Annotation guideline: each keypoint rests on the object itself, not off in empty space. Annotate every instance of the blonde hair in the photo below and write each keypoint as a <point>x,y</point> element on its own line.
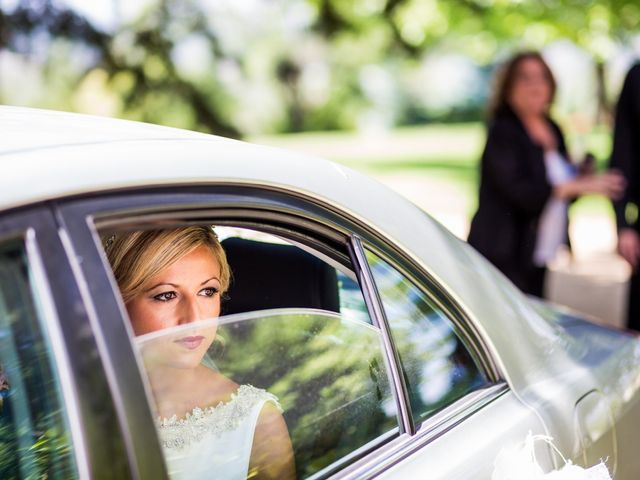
<point>136,257</point>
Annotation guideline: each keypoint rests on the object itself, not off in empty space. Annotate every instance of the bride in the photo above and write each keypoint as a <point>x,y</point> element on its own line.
<point>209,426</point>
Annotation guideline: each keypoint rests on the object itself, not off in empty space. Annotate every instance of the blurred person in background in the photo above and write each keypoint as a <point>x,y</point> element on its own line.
<point>626,158</point>
<point>527,179</point>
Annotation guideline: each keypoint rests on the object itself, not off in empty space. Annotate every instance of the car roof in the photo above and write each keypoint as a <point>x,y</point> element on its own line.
<point>49,155</point>
<point>30,129</point>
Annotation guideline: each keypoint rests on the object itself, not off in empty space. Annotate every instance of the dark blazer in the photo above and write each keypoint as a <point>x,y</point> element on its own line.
<point>513,192</point>
<point>625,155</point>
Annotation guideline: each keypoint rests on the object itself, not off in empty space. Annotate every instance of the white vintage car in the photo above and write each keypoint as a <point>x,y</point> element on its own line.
<point>394,349</point>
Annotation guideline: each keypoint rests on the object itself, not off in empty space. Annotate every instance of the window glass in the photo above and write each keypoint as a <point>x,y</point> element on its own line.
<point>34,436</point>
<point>352,303</point>
<point>323,373</point>
<point>437,367</point>
<point>281,375</point>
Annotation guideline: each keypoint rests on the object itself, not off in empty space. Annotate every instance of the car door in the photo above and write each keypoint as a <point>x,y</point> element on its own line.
<point>464,413</point>
<point>57,416</point>
<point>450,424</point>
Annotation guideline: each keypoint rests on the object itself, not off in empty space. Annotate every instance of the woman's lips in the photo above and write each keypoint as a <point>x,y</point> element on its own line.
<point>191,343</point>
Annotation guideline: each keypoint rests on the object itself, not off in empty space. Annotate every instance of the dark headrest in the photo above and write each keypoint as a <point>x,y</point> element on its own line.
<point>267,275</point>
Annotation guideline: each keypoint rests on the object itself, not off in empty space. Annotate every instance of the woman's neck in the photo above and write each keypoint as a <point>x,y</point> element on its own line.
<point>169,385</point>
<point>531,117</point>
<point>177,391</point>
<point>539,130</point>
<point>164,378</point>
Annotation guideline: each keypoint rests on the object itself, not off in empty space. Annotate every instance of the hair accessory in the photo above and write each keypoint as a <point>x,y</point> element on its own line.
<point>109,241</point>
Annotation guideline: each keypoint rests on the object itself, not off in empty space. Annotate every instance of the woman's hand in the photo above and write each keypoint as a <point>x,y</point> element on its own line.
<point>629,246</point>
<point>610,184</point>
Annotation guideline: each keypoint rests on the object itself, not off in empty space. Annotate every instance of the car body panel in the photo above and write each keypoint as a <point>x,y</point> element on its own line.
<point>503,423</point>
<point>610,358</point>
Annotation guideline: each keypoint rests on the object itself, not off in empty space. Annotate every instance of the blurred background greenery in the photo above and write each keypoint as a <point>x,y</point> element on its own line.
<point>384,86</point>
<point>395,88</point>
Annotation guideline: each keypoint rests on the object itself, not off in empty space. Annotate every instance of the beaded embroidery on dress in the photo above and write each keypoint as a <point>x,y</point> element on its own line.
<point>216,440</point>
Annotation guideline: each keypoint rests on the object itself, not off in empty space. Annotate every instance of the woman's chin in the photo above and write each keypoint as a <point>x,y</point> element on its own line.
<point>182,360</point>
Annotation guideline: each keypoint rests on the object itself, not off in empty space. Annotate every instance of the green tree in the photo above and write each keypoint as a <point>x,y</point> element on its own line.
<point>307,69</point>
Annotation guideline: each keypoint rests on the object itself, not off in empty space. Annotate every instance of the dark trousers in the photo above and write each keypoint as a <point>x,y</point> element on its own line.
<point>536,281</point>
<point>530,279</point>
<point>633,312</point>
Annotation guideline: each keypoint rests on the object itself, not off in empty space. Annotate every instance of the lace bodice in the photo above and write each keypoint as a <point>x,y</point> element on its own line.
<point>214,440</point>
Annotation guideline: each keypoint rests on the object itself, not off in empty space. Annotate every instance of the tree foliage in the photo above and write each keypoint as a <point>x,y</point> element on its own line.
<point>136,59</point>
<point>270,75</point>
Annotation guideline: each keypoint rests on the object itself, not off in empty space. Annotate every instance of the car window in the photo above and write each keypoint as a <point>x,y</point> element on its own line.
<point>262,264</point>
<point>437,366</point>
<point>293,344</point>
<point>323,372</point>
<point>34,436</point>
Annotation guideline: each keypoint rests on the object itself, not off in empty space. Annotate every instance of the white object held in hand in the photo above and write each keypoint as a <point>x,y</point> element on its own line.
<point>519,463</point>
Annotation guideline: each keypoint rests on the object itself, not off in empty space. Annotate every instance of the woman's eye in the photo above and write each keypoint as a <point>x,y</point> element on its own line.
<point>209,291</point>
<point>165,296</point>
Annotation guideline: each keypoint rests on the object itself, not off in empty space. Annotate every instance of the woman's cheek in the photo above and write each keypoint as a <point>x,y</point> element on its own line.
<point>211,307</point>
<point>150,317</point>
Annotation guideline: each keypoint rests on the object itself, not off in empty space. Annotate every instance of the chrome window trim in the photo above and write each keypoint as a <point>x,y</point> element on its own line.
<point>357,225</point>
<point>442,300</point>
<point>330,471</point>
<point>431,429</point>
<point>288,227</point>
<point>285,222</point>
<point>392,358</point>
<point>263,207</point>
<point>60,354</point>
<point>100,341</point>
<point>343,221</point>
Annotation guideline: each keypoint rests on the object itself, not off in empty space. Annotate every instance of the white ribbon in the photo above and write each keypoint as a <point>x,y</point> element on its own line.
<point>519,463</point>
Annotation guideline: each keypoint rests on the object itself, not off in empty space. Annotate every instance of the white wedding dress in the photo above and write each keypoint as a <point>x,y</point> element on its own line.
<point>214,442</point>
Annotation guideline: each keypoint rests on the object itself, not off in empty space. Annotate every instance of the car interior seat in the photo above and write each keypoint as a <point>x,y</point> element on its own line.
<point>267,275</point>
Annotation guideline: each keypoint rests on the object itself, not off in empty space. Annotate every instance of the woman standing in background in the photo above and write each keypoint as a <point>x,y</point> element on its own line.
<point>527,179</point>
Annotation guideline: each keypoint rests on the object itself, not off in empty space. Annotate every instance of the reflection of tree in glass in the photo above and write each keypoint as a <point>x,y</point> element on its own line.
<point>33,442</point>
<point>328,374</point>
<point>438,368</point>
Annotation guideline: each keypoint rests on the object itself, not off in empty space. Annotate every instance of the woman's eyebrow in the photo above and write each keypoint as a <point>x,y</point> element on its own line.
<point>209,279</point>
<point>160,284</point>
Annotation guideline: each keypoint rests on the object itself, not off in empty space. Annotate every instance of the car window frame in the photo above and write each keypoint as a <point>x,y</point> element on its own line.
<point>442,299</point>
<point>254,208</point>
<point>86,397</point>
<point>440,422</point>
<point>276,210</point>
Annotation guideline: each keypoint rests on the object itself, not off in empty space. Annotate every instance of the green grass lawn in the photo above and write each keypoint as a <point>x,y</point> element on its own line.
<point>448,153</point>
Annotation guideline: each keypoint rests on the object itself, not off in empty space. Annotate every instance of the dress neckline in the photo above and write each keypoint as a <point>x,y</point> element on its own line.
<point>198,412</point>
<point>179,432</point>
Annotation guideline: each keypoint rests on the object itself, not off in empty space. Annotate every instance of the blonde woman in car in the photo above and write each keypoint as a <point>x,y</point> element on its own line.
<point>172,281</point>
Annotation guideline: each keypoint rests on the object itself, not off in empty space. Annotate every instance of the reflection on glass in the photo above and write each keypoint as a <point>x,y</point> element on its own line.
<point>34,436</point>
<point>352,304</point>
<point>323,372</point>
<point>438,368</point>
<point>256,394</point>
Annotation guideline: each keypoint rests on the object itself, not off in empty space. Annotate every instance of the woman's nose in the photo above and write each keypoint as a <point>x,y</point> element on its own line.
<point>189,311</point>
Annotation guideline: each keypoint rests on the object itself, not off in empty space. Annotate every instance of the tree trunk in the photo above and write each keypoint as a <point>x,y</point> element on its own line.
<point>603,111</point>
